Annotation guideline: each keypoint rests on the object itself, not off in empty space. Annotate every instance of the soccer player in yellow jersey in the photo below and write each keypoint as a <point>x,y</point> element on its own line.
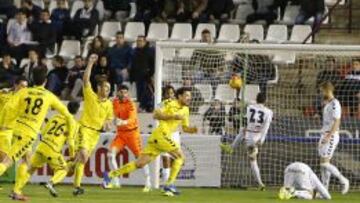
<point>96,116</point>
<point>174,113</point>
<point>54,136</point>
<point>29,107</point>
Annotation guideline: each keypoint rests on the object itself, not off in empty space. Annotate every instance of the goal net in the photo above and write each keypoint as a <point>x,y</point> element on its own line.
<point>290,76</point>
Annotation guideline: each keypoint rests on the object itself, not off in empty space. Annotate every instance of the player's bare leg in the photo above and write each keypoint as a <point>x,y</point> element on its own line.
<point>252,154</point>
<point>81,158</point>
<point>327,169</point>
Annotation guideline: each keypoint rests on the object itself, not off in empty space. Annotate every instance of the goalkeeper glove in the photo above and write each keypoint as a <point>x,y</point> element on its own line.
<point>120,122</point>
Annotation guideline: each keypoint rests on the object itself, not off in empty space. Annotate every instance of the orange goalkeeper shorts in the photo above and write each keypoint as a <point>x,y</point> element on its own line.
<point>129,139</point>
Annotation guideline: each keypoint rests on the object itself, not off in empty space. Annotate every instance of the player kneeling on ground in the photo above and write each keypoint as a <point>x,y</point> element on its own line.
<point>301,182</point>
<point>54,136</point>
<point>259,118</point>
<point>171,115</point>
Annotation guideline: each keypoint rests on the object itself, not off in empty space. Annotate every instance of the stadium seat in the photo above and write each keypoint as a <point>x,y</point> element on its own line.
<point>206,91</point>
<point>158,31</point>
<point>133,30</point>
<point>277,34</point>
<point>203,109</point>
<point>256,32</point>
<point>333,2</point>
<point>250,93</point>
<point>299,33</point>
<point>242,12</point>
<point>76,6</point>
<point>100,7</point>
<point>290,14</point>
<point>284,58</point>
<point>172,73</point>
<point>181,31</point>
<point>132,10</point>
<point>70,48</point>
<point>225,93</point>
<point>109,30</point>
<point>229,33</point>
<point>39,3</point>
<point>202,26</point>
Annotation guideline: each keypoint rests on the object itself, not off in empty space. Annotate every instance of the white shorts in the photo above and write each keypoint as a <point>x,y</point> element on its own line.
<point>298,179</point>
<point>327,150</point>
<point>251,139</point>
<point>177,139</point>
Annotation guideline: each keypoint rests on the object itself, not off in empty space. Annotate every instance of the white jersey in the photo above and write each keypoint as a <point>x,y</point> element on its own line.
<point>331,112</point>
<point>301,177</point>
<point>259,118</point>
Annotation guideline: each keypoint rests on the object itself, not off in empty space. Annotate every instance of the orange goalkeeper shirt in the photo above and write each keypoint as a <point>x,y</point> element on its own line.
<point>126,110</point>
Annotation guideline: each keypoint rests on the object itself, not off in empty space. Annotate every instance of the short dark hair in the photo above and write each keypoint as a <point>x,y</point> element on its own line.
<point>21,11</point>
<point>78,57</point>
<point>28,2</point>
<point>119,33</point>
<point>181,91</point>
<point>45,11</point>
<point>59,59</point>
<point>167,88</point>
<point>20,79</point>
<point>355,60</point>
<point>261,98</point>
<point>123,87</point>
<point>73,107</point>
<point>205,31</point>
<point>39,75</point>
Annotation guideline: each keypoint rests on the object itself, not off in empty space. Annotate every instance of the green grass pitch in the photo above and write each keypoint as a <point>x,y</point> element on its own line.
<point>94,194</point>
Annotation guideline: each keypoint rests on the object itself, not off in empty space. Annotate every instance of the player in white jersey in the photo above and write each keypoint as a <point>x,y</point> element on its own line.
<point>330,137</point>
<point>301,182</point>
<point>259,118</point>
<point>168,93</point>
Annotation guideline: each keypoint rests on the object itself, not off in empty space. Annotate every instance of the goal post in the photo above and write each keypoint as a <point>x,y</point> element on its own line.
<point>289,75</point>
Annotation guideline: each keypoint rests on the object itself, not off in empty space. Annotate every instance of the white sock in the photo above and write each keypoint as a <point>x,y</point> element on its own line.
<point>114,166</point>
<point>237,141</point>
<point>303,194</point>
<point>147,176</point>
<point>165,174</point>
<point>256,172</point>
<point>334,171</point>
<point>325,177</point>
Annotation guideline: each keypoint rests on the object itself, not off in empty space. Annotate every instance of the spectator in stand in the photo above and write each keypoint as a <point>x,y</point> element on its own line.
<point>44,32</point>
<point>146,10</point>
<point>34,62</point>
<point>219,10</point>
<point>168,9</point>
<point>119,58</point>
<point>60,17</point>
<point>32,11</point>
<point>7,8</point>
<point>118,9</point>
<point>197,99</point>
<point>311,8</point>
<point>168,92</point>
<point>351,88</point>
<point>57,76</point>
<point>85,20</point>
<point>2,37</point>
<point>216,117</point>
<point>74,80</point>
<point>19,36</point>
<point>8,71</point>
<point>235,115</point>
<point>98,46</point>
<point>264,10</point>
<point>141,72</point>
<point>193,11</point>
<point>101,71</point>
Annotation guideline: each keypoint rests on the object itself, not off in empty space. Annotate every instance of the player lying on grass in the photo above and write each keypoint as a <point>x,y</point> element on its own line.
<point>49,151</point>
<point>330,137</point>
<point>302,183</point>
<point>29,107</point>
<point>7,135</point>
<point>170,116</point>
<point>127,133</point>
<point>96,116</point>
<point>259,118</point>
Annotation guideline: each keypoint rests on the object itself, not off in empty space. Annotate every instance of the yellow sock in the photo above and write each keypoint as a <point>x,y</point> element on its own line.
<point>79,172</point>
<point>58,176</point>
<point>175,169</point>
<point>128,168</point>
<point>3,168</point>
<point>22,177</point>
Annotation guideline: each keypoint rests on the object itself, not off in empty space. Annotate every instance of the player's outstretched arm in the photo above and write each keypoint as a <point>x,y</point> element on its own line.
<point>91,62</point>
<point>160,115</point>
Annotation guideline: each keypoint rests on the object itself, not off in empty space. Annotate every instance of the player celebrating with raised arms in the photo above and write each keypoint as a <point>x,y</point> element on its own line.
<point>301,182</point>
<point>54,137</point>
<point>96,116</point>
<point>170,116</point>
<point>127,134</point>
<point>259,118</point>
<point>330,137</point>
<point>29,107</point>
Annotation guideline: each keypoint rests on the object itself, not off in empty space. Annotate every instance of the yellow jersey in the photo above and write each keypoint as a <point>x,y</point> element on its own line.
<point>4,97</point>
<point>55,134</point>
<point>95,111</point>
<point>31,106</point>
<point>173,107</point>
